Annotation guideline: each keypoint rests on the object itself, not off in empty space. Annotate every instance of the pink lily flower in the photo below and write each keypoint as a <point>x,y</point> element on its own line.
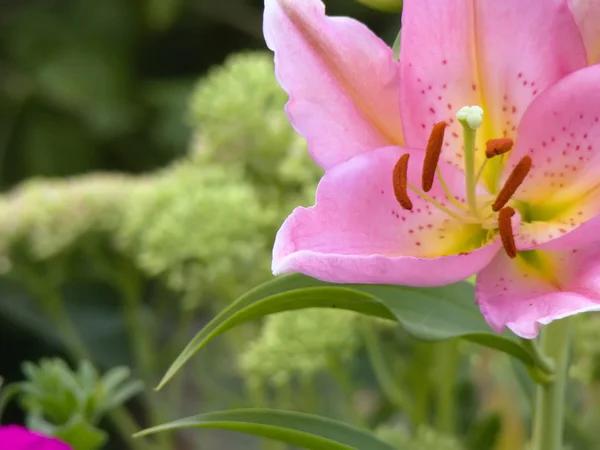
<point>416,194</point>
<point>14,437</point>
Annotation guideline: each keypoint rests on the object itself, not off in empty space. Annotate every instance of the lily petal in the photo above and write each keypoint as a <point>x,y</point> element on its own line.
<point>342,80</point>
<point>518,295</point>
<point>496,54</point>
<point>561,134</point>
<point>358,233</point>
<point>587,16</point>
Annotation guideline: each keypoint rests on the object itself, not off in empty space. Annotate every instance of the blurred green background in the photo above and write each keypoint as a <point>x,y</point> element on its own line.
<point>146,164</point>
<point>141,189</point>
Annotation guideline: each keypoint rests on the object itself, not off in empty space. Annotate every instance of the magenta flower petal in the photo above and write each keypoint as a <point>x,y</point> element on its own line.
<point>342,80</point>
<point>358,233</point>
<point>15,437</point>
<point>496,54</point>
<point>517,295</point>
<point>587,16</point>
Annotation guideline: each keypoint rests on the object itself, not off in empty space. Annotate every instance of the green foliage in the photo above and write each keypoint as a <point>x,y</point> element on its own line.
<point>46,218</point>
<point>69,404</point>
<point>282,294</point>
<point>199,226</point>
<point>237,114</point>
<point>300,343</point>
<point>586,367</point>
<point>392,6</point>
<point>205,224</point>
<point>304,430</point>
<point>425,439</point>
<point>426,313</point>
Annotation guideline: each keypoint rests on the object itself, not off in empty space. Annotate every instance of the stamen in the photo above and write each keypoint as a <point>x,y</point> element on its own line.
<point>451,198</point>
<point>399,180</point>
<point>432,155</point>
<point>495,147</point>
<point>514,180</point>
<point>438,205</point>
<point>506,231</point>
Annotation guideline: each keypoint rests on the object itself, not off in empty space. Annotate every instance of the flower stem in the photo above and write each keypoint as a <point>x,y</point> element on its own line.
<point>550,398</point>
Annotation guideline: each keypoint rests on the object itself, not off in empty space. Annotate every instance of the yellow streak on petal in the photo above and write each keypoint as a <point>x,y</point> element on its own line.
<point>539,264</point>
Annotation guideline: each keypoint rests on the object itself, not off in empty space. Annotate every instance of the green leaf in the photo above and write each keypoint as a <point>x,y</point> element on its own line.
<point>303,430</point>
<point>126,392</point>
<point>7,393</point>
<point>435,314</point>
<point>253,307</point>
<point>427,313</point>
<point>77,432</point>
<point>81,435</point>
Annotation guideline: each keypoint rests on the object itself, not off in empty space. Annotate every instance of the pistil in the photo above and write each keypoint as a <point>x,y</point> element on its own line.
<point>489,212</point>
<point>470,118</point>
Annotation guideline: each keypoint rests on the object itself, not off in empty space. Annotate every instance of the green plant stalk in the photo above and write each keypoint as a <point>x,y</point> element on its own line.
<point>184,329</point>
<point>308,398</point>
<point>447,360</point>
<point>383,374</point>
<point>421,384</point>
<point>340,374</point>
<point>128,283</point>
<point>120,417</point>
<point>548,422</point>
<point>55,308</point>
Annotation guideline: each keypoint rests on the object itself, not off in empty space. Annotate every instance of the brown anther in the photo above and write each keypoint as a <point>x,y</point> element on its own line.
<point>506,232</point>
<point>432,155</point>
<point>399,179</point>
<point>495,147</point>
<point>514,180</point>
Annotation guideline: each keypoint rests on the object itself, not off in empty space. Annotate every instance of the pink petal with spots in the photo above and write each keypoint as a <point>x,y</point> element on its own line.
<point>358,233</point>
<point>342,80</point>
<point>561,133</point>
<point>561,240</point>
<point>14,437</point>
<point>517,295</point>
<point>496,54</point>
<point>587,16</point>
